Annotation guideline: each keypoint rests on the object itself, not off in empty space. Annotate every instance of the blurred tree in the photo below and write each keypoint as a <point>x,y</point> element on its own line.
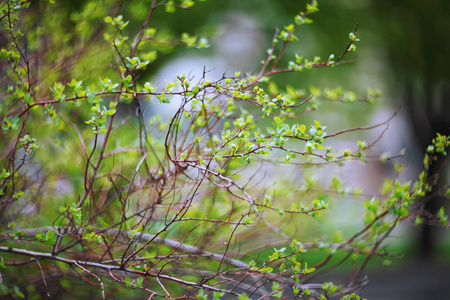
<point>416,37</point>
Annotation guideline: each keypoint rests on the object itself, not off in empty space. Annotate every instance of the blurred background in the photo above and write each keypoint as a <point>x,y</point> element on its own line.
<point>404,51</point>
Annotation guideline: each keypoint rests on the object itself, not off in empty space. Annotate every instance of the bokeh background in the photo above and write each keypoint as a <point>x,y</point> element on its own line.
<point>404,50</point>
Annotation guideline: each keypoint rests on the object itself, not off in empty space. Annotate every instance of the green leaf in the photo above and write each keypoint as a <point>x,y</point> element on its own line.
<point>139,281</point>
<point>247,220</point>
<point>108,20</point>
<point>442,217</point>
<point>243,297</point>
<point>387,186</point>
<point>201,295</point>
<point>49,234</point>
<point>419,220</point>
<point>18,292</point>
<point>218,295</point>
<point>403,213</point>
<point>398,167</point>
<point>127,281</point>
<point>313,7</point>
<point>188,40</point>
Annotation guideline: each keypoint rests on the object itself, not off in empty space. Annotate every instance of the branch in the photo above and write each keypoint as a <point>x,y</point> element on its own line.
<point>44,255</point>
<point>61,231</point>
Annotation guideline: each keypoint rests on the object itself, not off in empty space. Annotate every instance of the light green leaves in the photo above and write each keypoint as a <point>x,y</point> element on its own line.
<point>188,40</point>
<point>77,88</point>
<point>243,297</point>
<point>317,136</point>
<point>135,63</point>
<point>58,91</point>
<point>442,217</point>
<point>194,176</point>
<point>40,236</point>
<point>108,85</point>
<point>10,123</point>
<point>193,42</point>
<point>313,7</point>
<point>116,22</point>
<point>126,80</point>
<point>330,288</point>
<point>352,37</point>
<point>99,118</point>
<point>148,88</point>
<point>135,284</point>
<point>247,220</point>
<point>300,20</point>
<point>15,233</point>
<point>28,143</point>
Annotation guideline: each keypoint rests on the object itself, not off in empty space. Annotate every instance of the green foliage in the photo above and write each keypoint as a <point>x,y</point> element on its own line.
<point>168,206</point>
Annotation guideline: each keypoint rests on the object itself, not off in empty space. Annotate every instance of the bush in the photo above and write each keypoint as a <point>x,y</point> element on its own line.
<point>198,205</point>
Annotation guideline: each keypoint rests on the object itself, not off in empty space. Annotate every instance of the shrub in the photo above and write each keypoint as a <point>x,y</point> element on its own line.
<point>178,207</point>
